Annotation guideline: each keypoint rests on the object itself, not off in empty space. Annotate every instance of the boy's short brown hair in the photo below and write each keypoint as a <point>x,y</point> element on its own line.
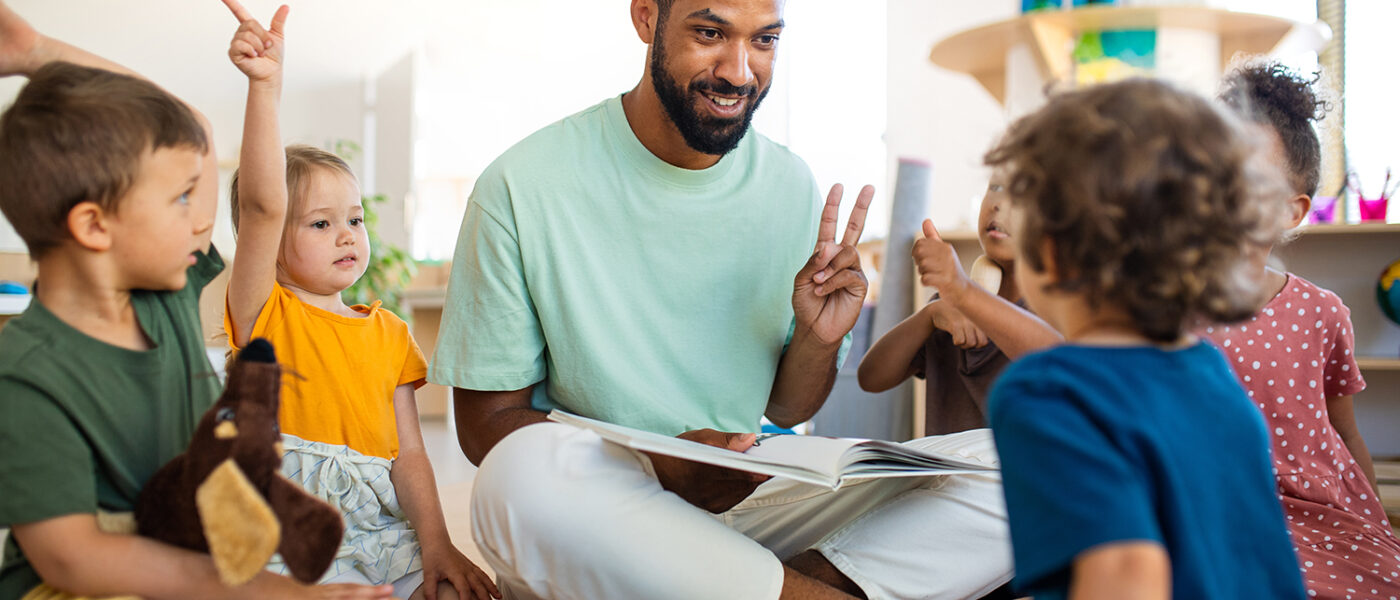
<point>77,134</point>
<point>302,161</point>
<point>1152,197</point>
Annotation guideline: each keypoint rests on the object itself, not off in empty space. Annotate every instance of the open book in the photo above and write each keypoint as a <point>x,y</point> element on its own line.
<point>812,459</point>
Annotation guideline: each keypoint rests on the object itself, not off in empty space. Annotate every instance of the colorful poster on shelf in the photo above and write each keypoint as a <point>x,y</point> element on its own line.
<point>1107,56</point>
<point>1035,5</point>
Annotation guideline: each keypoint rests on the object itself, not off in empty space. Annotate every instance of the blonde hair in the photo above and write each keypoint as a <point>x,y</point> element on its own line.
<point>302,161</point>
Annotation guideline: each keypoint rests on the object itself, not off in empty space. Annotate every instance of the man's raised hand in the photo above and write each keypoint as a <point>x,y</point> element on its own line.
<point>829,290</point>
<point>256,51</point>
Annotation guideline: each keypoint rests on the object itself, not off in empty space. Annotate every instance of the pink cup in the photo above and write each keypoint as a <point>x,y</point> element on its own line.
<point>1373,209</point>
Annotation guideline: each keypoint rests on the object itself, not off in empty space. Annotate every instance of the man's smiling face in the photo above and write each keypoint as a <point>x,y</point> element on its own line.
<point>712,65</point>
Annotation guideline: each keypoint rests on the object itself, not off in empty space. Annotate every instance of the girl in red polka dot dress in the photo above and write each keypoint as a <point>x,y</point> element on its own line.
<point>1295,360</point>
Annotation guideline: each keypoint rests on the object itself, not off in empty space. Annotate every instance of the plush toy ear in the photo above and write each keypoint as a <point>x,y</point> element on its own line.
<point>986,274</point>
<point>240,527</point>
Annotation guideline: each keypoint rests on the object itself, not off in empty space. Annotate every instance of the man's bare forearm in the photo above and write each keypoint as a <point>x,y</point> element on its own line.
<point>805,376</point>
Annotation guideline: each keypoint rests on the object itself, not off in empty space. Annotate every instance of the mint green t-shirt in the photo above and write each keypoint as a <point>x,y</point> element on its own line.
<point>641,293</point>
<point>84,424</point>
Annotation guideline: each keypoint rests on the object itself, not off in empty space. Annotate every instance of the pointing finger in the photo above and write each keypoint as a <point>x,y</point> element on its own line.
<point>856,224</point>
<point>239,12</point>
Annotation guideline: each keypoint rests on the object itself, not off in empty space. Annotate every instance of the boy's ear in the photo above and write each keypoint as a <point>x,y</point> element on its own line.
<point>90,226</point>
<point>1298,209</point>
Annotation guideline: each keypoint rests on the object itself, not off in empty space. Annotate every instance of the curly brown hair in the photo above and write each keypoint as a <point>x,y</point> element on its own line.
<point>1152,198</point>
<point>1270,94</point>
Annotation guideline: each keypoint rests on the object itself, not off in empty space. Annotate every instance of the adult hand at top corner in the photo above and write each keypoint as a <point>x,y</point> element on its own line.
<point>21,46</point>
<point>828,291</point>
<point>715,489</point>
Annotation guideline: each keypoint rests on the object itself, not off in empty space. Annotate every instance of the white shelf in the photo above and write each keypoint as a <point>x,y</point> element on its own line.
<point>981,52</point>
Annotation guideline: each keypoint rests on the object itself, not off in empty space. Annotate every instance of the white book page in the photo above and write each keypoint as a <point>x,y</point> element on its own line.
<point>817,453</point>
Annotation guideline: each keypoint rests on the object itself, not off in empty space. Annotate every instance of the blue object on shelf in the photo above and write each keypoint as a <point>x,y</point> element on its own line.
<point>13,287</point>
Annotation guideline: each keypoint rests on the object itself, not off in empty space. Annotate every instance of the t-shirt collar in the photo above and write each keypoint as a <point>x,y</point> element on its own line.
<point>649,163</point>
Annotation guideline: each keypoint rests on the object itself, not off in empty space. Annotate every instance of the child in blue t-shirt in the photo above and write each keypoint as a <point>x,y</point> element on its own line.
<point>1133,463</point>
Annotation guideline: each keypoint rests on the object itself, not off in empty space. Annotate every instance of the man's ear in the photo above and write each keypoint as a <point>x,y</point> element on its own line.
<point>1298,209</point>
<point>644,16</point>
<point>90,226</point>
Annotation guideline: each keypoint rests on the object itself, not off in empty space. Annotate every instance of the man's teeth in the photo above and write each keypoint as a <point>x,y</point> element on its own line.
<point>724,101</point>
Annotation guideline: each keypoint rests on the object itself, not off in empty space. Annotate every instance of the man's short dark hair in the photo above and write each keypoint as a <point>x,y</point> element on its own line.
<point>1270,94</point>
<point>77,134</point>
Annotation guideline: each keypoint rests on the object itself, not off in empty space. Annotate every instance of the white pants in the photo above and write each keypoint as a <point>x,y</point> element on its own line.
<point>559,513</point>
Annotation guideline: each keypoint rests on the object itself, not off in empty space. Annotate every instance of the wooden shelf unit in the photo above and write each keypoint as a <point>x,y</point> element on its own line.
<point>981,52</point>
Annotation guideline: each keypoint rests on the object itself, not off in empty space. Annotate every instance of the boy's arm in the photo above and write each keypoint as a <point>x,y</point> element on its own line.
<point>262,171</point>
<point>1342,414</point>
<point>416,488</point>
<point>71,554</point>
<point>890,359</point>
<point>1122,571</point>
<point>1016,332</point>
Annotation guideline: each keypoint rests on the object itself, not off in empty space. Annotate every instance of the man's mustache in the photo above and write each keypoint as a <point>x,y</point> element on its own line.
<point>724,89</point>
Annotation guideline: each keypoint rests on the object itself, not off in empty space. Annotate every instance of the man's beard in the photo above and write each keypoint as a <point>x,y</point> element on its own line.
<point>701,132</point>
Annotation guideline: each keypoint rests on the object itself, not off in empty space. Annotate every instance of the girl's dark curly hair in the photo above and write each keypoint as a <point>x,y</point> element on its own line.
<point>1270,94</point>
<point>1152,199</point>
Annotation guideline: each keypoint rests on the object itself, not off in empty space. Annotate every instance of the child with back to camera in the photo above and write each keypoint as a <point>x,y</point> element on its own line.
<point>1295,360</point>
<point>350,423</point>
<point>960,341</point>
<point>1133,464</point>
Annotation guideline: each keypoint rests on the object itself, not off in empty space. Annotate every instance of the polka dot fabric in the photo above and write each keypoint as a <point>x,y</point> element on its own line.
<point>1291,357</point>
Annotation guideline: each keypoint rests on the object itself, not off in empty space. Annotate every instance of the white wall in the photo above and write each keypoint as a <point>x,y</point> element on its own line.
<point>937,115</point>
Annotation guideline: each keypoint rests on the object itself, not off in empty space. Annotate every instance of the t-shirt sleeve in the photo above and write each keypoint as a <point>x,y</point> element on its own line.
<point>207,267</point>
<point>46,467</point>
<point>1069,486</point>
<point>490,338</point>
<point>1341,375</point>
<point>415,367</point>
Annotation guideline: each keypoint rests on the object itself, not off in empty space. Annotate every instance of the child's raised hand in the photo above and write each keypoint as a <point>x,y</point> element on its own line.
<point>450,565</point>
<point>258,52</point>
<point>937,263</point>
<point>18,43</point>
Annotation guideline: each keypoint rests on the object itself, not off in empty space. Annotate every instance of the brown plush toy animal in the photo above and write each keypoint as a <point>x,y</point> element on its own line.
<point>226,494</point>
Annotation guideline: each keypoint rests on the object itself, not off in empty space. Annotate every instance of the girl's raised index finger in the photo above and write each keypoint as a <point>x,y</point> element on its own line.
<point>239,12</point>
